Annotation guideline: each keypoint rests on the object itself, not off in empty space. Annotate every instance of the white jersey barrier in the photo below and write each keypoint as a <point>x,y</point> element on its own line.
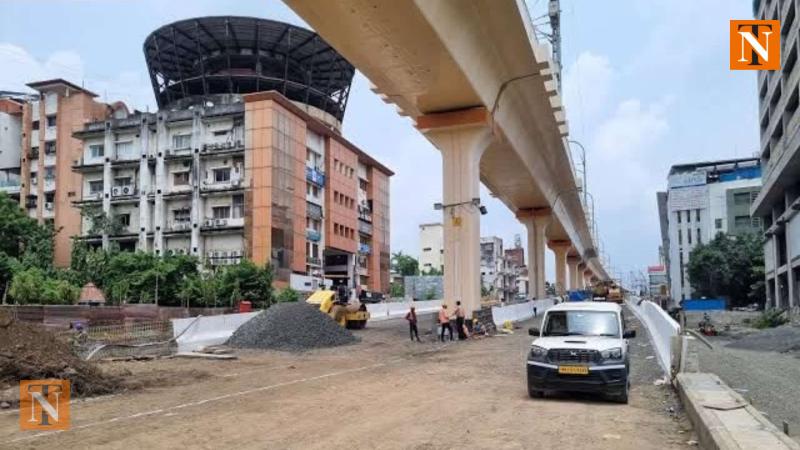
<point>660,326</point>
<point>393,310</point>
<point>520,311</point>
<point>196,332</point>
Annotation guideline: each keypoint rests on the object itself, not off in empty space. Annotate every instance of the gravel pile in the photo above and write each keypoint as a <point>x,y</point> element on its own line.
<point>293,327</point>
<point>781,339</point>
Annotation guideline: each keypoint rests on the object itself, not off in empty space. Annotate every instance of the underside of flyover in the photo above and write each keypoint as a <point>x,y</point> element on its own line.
<point>481,89</point>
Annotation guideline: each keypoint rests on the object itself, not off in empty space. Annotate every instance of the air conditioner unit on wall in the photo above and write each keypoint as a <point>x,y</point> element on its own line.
<point>127,190</point>
<point>115,191</point>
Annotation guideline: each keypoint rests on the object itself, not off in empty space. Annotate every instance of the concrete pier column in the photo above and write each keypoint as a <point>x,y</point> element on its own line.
<point>572,263</point>
<point>560,248</point>
<point>462,137</point>
<point>536,221</point>
<point>587,278</point>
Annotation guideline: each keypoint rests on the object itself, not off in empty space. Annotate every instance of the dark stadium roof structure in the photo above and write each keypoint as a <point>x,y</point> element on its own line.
<point>239,55</point>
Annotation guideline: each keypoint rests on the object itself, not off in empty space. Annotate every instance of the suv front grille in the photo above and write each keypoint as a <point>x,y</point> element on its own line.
<point>572,355</point>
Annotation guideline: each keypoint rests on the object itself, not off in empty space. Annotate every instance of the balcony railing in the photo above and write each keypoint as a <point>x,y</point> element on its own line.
<point>180,225</point>
<point>313,261</point>
<point>313,211</point>
<point>222,185</point>
<point>223,146</point>
<point>313,235</point>
<point>10,185</point>
<point>315,176</point>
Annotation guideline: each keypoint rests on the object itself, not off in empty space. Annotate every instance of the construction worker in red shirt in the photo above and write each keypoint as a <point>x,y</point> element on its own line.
<point>411,317</point>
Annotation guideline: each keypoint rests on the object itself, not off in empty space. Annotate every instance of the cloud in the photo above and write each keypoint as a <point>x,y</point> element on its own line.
<point>20,68</point>
<point>587,83</point>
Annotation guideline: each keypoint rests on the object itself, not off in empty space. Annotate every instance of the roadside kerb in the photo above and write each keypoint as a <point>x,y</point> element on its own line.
<point>723,419</point>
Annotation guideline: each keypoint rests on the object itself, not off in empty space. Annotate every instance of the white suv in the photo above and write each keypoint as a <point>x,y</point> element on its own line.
<point>582,346</point>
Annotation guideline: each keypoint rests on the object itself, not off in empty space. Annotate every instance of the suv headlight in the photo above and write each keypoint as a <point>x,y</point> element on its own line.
<point>537,353</point>
<point>612,354</point>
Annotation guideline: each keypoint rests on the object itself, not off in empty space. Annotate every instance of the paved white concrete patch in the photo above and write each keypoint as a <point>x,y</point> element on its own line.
<point>196,332</point>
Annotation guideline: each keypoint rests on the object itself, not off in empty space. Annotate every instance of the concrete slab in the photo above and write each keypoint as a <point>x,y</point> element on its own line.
<point>723,419</point>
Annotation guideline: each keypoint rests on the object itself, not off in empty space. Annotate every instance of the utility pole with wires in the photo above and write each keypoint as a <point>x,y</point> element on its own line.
<point>554,11</point>
<point>552,20</point>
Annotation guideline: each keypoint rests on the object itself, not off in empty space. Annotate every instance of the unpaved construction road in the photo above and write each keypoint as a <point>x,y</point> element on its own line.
<point>384,392</point>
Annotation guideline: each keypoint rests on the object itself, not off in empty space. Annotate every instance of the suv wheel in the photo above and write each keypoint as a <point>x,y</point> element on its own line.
<point>535,393</point>
<point>622,397</point>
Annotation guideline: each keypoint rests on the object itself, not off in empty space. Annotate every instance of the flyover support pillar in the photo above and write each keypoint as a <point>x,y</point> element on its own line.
<point>572,263</point>
<point>587,278</point>
<point>560,248</point>
<point>462,137</point>
<point>536,221</point>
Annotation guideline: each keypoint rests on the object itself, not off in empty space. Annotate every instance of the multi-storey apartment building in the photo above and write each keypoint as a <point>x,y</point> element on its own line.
<point>779,119</point>
<point>48,186</point>
<point>497,274</point>
<point>244,159</point>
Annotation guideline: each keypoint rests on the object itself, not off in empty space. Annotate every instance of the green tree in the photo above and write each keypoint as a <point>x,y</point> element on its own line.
<point>246,281</point>
<point>32,286</point>
<point>199,290</point>
<point>432,272</point>
<point>405,265</point>
<point>288,295</point>
<point>397,290</point>
<point>100,222</point>
<point>729,266</point>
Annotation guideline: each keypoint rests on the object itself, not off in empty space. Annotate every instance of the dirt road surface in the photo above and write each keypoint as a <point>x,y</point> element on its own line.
<point>384,392</point>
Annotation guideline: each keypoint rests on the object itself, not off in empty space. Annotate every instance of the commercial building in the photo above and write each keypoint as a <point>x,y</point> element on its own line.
<point>243,159</point>
<point>778,202</point>
<point>431,243</point>
<point>702,200</point>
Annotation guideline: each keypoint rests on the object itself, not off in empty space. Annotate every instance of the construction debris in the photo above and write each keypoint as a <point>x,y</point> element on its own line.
<point>30,352</point>
<point>292,327</point>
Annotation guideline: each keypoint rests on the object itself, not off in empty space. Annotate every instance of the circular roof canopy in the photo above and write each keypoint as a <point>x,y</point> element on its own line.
<point>239,55</point>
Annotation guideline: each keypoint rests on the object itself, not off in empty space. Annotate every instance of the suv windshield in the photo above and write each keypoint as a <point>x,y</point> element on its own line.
<point>581,323</point>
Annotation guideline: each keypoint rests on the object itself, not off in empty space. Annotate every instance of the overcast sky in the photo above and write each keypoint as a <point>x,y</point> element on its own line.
<point>646,85</point>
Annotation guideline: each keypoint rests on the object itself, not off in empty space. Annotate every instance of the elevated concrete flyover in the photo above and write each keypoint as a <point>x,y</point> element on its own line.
<point>481,89</point>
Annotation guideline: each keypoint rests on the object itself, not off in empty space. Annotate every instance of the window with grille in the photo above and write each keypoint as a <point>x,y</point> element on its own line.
<point>180,178</point>
<point>222,175</point>
<point>181,141</point>
<point>96,186</point>
<point>96,150</point>
<point>221,212</point>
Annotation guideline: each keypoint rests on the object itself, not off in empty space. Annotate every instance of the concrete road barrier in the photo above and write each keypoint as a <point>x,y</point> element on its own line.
<point>660,326</point>
<point>394,310</point>
<point>520,311</point>
<point>723,419</point>
<point>196,332</point>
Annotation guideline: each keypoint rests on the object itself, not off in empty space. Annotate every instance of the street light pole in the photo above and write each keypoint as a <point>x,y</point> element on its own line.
<point>583,164</point>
